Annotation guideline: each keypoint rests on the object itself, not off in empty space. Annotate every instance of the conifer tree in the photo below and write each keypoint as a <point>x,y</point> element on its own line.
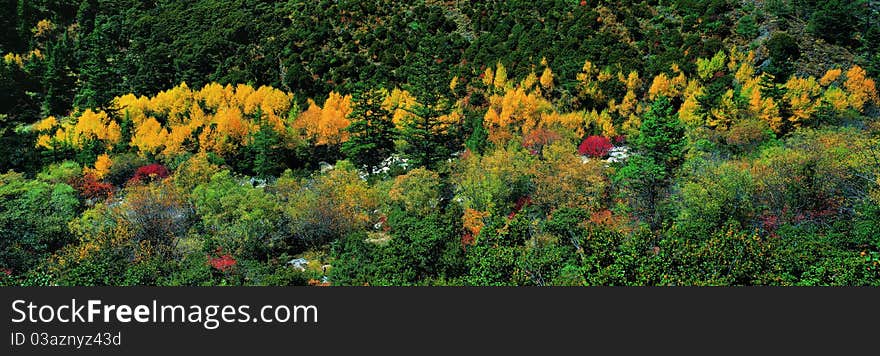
<point>660,150</point>
<point>372,131</point>
<point>426,136</point>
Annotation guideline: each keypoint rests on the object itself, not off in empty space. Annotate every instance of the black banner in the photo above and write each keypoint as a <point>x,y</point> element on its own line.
<point>296,320</point>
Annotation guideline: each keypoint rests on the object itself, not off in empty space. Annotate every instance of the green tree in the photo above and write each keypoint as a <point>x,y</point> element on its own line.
<point>770,87</point>
<point>661,136</point>
<point>241,218</point>
<point>33,220</point>
<point>784,52</point>
<point>60,78</point>
<point>372,130</point>
<point>100,79</point>
<point>660,148</point>
<point>426,136</point>
<point>837,21</point>
<point>269,152</point>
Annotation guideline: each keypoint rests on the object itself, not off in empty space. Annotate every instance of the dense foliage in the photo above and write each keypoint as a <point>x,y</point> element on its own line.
<point>220,142</point>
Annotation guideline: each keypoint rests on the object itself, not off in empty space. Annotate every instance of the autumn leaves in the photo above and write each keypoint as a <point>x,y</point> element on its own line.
<point>725,92</point>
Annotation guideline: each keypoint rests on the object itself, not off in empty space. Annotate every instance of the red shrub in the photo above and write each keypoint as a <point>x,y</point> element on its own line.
<point>150,171</point>
<point>595,146</point>
<point>89,187</point>
<point>520,203</point>
<point>770,222</point>
<point>467,239</point>
<point>223,261</point>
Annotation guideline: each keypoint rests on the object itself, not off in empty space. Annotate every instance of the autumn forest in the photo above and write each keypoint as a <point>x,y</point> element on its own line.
<point>486,143</point>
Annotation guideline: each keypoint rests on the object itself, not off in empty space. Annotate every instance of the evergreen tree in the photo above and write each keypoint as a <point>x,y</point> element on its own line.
<point>837,21</point>
<point>99,72</point>
<point>660,148</point>
<point>60,81</point>
<point>372,130</point>
<point>9,40</point>
<point>85,15</point>
<point>478,139</point>
<point>661,136</point>
<point>426,136</point>
<point>268,152</point>
<point>784,51</point>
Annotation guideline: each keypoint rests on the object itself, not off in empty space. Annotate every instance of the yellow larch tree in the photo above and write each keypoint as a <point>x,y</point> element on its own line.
<point>172,104</point>
<point>860,88</point>
<point>399,103</point>
<point>516,111</point>
<point>588,83</point>
<point>688,113</point>
<point>149,137</point>
<point>326,126</point>
<point>102,166</point>
<point>830,76</point>
<point>76,131</point>
<point>547,79</point>
<point>802,95</point>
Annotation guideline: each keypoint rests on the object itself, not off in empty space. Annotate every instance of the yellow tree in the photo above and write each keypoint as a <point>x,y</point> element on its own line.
<point>326,126</point>
<point>400,103</point>
<point>802,95</point>
<point>149,137</point>
<point>588,83</point>
<point>515,111</point>
<point>75,132</point>
<point>102,166</point>
<point>860,88</point>
<point>830,77</point>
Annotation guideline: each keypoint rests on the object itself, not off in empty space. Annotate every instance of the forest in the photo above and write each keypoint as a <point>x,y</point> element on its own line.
<point>439,143</point>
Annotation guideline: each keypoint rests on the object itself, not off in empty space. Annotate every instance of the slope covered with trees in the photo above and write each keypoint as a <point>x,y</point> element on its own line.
<point>239,142</point>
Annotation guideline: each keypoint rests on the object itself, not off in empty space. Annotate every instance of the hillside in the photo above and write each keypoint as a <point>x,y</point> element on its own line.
<point>243,142</point>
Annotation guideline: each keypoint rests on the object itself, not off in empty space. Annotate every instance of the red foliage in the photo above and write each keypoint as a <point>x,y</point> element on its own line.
<point>466,154</point>
<point>150,171</point>
<point>601,217</point>
<point>6,271</point>
<point>383,223</point>
<point>222,261</point>
<point>595,146</point>
<point>520,203</point>
<point>770,223</point>
<point>467,239</point>
<point>828,209</point>
<point>583,2</point>
<point>619,139</point>
<point>89,187</point>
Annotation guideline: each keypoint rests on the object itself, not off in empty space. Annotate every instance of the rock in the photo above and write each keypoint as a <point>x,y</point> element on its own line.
<point>618,154</point>
<point>299,263</point>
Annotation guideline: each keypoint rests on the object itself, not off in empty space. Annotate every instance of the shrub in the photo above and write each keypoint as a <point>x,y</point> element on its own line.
<point>595,146</point>
<point>150,172</point>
